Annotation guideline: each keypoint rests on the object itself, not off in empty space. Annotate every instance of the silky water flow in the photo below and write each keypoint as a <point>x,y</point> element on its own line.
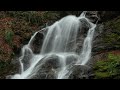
<point>56,43</point>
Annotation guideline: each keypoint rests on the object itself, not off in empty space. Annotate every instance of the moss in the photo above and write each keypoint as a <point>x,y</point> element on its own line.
<point>108,69</point>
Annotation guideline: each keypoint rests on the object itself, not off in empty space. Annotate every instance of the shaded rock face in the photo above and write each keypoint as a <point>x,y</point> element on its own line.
<point>26,58</point>
<point>98,39</point>
<point>81,72</point>
<point>105,35</point>
<point>93,16</point>
<point>37,43</point>
<point>71,60</point>
<point>108,15</point>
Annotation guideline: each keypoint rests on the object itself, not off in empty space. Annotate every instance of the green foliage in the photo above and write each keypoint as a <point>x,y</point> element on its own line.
<point>9,36</point>
<point>109,69</point>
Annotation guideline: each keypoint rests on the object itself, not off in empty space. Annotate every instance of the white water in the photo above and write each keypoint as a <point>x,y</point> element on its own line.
<point>56,42</point>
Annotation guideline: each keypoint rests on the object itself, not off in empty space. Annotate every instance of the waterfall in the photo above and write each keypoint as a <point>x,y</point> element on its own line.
<point>58,48</point>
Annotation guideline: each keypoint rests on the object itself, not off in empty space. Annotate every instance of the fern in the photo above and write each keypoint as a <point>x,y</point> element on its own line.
<point>9,36</point>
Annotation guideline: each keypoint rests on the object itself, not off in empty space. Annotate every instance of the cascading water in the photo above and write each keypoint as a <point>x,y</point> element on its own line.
<point>60,42</point>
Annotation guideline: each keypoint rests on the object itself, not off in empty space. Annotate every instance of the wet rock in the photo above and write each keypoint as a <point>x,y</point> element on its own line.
<point>98,43</point>
<point>47,68</point>
<point>71,59</point>
<point>44,75</point>
<point>26,58</point>
<point>93,16</point>
<point>50,62</point>
<point>37,43</point>
<point>81,72</point>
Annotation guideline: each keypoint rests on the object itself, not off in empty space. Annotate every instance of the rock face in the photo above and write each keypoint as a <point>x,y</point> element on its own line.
<point>48,67</point>
<point>93,16</point>
<point>26,58</point>
<point>106,37</point>
<point>108,15</point>
<point>81,72</point>
<point>37,43</point>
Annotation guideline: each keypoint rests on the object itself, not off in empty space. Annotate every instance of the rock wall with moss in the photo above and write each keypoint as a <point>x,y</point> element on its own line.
<point>107,48</point>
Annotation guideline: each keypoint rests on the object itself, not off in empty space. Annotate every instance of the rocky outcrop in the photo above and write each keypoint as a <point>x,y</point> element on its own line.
<point>47,68</point>
<point>107,15</point>
<point>105,35</point>
<point>37,42</point>
<point>81,72</point>
<point>106,41</point>
<point>93,16</point>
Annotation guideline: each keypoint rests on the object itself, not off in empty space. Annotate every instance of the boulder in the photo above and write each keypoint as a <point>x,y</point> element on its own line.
<point>81,72</point>
<point>93,16</point>
<point>71,59</point>
<point>27,55</point>
<point>47,68</point>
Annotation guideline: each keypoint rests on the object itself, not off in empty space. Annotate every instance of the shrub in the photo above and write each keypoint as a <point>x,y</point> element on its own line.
<point>9,36</point>
<point>109,69</point>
